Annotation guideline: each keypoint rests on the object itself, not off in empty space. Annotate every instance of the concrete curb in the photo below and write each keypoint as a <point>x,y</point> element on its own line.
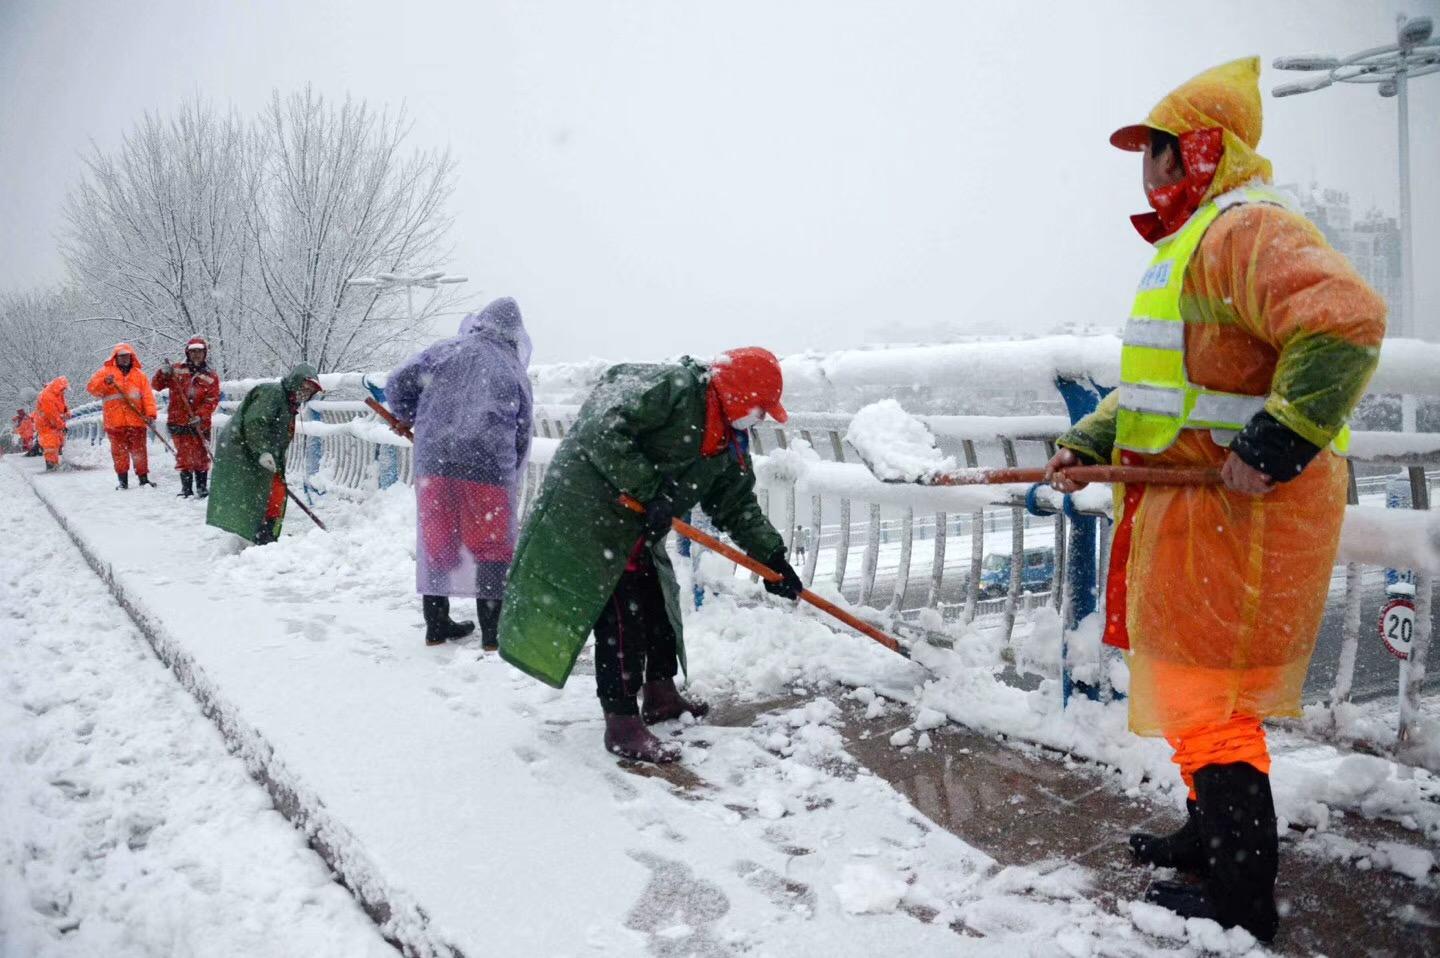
<point>401,921</point>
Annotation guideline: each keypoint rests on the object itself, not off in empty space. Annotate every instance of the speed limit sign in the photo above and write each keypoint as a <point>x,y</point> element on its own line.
<point>1397,627</point>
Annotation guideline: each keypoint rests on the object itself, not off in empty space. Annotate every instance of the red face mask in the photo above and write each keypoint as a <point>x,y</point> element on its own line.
<point>1200,153</point>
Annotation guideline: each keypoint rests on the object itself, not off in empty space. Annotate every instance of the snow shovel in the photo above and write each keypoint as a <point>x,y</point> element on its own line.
<point>391,420</point>
<point>110,381</point>
<point>770,575</point>
<point>898,448</point>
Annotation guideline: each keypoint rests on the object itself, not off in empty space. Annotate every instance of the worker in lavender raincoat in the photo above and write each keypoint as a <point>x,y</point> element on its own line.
<point>468,400</point>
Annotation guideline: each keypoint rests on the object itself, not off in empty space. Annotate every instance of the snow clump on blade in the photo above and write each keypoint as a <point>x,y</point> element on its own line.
<point>895,445</point>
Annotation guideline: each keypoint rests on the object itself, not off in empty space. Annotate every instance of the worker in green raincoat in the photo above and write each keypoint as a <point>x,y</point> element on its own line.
<point>247,487</point>
<point>669,436</point>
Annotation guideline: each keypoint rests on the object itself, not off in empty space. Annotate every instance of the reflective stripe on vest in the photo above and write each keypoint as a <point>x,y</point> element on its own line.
<point>1157,399</point>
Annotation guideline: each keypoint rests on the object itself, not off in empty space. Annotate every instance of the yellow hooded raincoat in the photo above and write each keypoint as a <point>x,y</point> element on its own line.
<point>1226,591</point>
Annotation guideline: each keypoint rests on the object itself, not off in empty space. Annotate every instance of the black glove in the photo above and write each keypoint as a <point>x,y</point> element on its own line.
<point>788,586</point>
<point>659,512</point>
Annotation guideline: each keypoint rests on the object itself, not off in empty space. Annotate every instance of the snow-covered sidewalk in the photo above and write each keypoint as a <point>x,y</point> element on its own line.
<point>127,827</point>
<point>478,805</point>
<point>476,809</point>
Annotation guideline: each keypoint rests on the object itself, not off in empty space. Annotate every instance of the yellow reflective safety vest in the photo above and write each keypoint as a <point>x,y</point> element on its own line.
<point>1157,399</point>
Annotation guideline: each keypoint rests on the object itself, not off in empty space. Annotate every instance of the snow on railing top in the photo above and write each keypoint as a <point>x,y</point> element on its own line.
<point>841,379</point>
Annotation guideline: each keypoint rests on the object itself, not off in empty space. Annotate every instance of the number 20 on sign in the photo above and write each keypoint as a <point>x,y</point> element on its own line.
<point>1397,627</point>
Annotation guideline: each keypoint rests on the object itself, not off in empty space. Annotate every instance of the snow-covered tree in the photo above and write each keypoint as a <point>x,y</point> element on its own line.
<point>338,197</point>
<point>247,231</point>
<point>157,234</point>
<point>44,334</point>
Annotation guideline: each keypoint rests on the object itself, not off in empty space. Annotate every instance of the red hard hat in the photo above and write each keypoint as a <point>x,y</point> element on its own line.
<point>746,378</point>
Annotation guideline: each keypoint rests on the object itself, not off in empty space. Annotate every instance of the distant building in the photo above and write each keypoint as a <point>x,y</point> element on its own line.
<point>1372,243</point>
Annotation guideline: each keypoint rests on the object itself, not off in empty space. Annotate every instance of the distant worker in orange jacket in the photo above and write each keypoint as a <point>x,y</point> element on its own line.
<point>24,430</point>
<point>1249,344</point>
<point>194,394</point>
<point>52,414</point>
<point>129,409</point>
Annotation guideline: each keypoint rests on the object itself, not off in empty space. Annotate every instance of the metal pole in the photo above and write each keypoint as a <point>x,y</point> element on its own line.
<point>1407,254</point>
<point>1409,325</point>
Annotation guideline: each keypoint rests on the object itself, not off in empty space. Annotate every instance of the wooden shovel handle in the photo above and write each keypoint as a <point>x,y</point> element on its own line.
<point>1150,475</point>
<point>391,420</point>
<point>770,575</point>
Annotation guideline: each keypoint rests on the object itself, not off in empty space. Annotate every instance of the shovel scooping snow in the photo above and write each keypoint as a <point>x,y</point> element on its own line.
<point>897,447</point>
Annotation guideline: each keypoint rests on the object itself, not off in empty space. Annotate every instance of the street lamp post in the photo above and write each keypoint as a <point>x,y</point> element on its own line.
<point>385,282</point>
<point>1391,67</point>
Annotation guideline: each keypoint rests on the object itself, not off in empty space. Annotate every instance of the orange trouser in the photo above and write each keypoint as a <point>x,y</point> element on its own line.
<point>275,507</point>
<point>127,443</point>
<point>190,452</point>
<point>1240,738</point>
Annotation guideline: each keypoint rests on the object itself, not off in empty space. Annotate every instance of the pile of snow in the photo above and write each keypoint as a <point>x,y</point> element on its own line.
<point>896,445</point>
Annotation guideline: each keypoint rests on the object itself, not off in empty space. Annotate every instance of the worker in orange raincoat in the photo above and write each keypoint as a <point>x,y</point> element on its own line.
<point>24,430</point>
<point>1250,343</point>
<point>129,410</point>
<point>194,396</point>
<point>52,414</point>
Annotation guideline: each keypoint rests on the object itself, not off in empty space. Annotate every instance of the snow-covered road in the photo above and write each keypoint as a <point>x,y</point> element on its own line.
<point>128,829</point>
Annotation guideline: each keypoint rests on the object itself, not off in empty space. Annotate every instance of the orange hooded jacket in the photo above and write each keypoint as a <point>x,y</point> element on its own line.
<point>24,427</point>
<point>52,413</point>
<point>134,386</point>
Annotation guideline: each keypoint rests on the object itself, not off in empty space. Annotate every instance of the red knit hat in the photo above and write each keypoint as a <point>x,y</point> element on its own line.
<point>197,342</point>
<point>748,377</point>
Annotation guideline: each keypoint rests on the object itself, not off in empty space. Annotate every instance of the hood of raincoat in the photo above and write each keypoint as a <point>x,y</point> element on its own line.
<point>57,385</point>
<point>297,376</point>
<point>124,348</point>
<point>501,321</point>
<point>469,399</point>
<point>748,378</point>
<point>1225,98</point>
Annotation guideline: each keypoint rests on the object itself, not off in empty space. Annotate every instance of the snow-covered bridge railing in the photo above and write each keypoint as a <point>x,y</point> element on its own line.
<point>928,560</point>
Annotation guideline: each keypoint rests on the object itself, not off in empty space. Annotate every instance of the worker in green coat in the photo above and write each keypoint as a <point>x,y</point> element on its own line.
<point>247,486</point>
<point>669,436</point>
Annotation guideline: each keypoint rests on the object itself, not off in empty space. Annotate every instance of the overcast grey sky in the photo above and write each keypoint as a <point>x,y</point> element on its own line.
<point>655,177</point>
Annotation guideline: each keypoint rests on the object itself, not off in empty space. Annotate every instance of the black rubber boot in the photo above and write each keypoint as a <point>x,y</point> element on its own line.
<point>487,611</point>
<point>124,480</point>
<point>202,485</point>
<point>1183,898</point>
<point>627,737</point>
<point>145,480</point>
<point>186,489</point>
<point>438,626</point>
<point>1237,834</point>
<point>664,702</point>
<point>1180,849</point>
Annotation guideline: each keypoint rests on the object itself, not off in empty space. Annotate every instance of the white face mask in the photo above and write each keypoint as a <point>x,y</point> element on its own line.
<point>749,420</point>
